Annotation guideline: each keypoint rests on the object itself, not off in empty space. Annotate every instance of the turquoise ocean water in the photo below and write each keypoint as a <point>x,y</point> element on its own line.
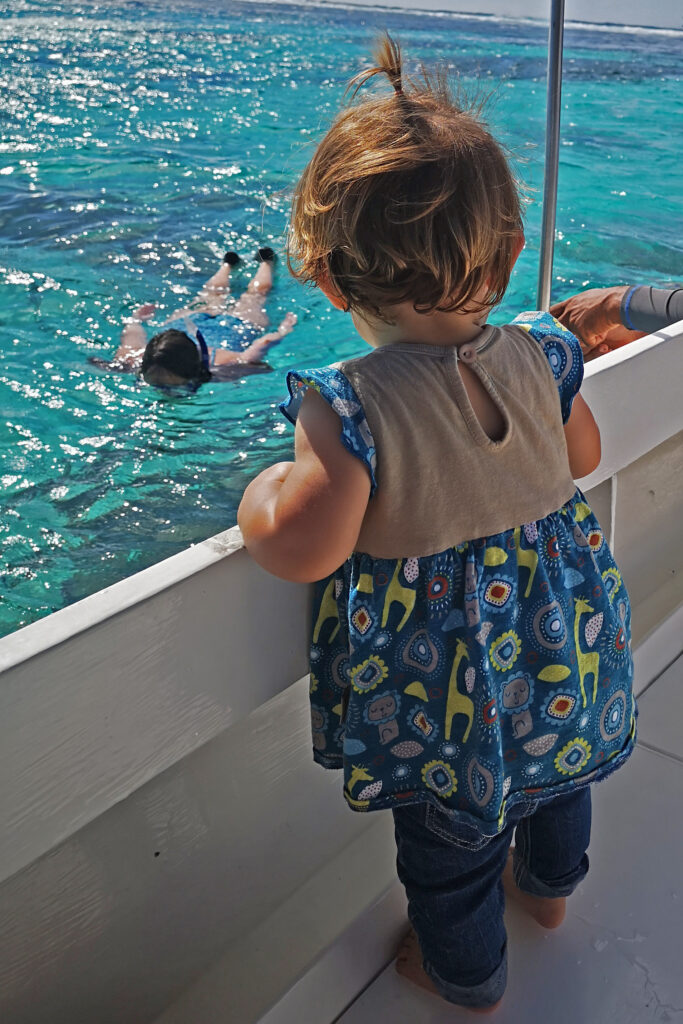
<point>140,140</point>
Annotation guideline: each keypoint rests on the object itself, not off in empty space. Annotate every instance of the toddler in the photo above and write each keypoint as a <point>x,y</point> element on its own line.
<point>470,657</point>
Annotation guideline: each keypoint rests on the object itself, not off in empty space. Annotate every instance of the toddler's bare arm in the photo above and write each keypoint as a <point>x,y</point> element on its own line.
<point>583,439</point>
<point>301,520</point>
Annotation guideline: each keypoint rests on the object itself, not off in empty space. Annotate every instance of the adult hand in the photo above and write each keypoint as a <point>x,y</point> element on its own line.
<point>592,315</point>
<point>614,339</point>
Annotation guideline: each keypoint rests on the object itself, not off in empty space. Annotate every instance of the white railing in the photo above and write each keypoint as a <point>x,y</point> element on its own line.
<point>163,711</point>
<point>636,394</point>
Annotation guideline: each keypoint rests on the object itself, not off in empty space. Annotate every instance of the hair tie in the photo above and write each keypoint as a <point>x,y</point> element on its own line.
<point>398,88</point>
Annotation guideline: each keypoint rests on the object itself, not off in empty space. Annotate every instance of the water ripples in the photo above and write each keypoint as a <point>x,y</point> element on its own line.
<point>142,140</point>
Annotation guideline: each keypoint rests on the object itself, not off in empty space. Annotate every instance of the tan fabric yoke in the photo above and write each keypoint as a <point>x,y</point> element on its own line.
<point>440,479</point>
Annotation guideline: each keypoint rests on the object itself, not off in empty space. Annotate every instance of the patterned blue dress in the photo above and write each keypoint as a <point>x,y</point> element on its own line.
<point>481,675</point>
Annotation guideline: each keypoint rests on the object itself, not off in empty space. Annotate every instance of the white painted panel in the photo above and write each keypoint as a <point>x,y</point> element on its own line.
<point>210,856</point>
<point>136,686</point>
<point>635,394</point>
<point>314,954</point>
<point>661,713</point>
<point>658,650</point>
<point>91,611</point>
<point>649,533</point>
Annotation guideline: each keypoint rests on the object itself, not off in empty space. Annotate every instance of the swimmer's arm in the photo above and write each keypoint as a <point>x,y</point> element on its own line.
<point>583,439</point>
<point>224,356</point>
<point>300,520</point>
<point>133,339</point>
<point>133,336</point>
<point>258,348</point>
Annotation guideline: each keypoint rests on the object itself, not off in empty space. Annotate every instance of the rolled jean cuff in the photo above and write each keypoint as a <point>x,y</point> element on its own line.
<point>486,993</point>
<point>563,886</point>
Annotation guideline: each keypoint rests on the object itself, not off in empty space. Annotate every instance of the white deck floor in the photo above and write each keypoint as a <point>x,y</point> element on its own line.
<point>619,955</point>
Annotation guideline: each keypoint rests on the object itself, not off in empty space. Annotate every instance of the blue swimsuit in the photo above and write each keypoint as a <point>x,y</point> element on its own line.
<point>222,331</point>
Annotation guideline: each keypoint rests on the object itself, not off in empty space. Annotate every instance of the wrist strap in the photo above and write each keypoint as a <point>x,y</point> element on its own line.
<point>625,303</point>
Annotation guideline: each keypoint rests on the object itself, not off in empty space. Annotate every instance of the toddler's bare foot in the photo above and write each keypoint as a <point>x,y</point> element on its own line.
<point>546,911</point>
<point>409,964</point>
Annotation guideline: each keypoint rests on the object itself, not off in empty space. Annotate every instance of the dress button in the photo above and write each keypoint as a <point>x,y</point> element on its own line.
<point>466,353</point>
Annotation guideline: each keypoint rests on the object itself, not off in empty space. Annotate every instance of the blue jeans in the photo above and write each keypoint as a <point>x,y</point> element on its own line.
<point>453,879</point>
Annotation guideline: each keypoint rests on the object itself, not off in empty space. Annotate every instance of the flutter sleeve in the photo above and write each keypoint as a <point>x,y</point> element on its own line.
<point>338,392</point>
<point>562,350</point>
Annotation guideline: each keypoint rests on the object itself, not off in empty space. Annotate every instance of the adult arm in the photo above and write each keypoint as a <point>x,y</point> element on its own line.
<point>648,309</point>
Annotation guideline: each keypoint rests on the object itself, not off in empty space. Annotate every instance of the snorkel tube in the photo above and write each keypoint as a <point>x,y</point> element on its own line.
<point>203,350</point>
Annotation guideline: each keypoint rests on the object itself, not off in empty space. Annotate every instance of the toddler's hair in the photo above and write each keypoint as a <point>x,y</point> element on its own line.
<point>408,197</point>
<point>177,352</point>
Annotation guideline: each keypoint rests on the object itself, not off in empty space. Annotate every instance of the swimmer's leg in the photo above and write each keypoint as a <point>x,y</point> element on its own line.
<point>216,290</point>
<point>251,305</point>
<point>213,294</point>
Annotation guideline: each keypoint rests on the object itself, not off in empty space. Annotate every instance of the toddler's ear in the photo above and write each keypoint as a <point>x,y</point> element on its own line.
<point>520,242</point>
<point>328,289</point>
<point>519,245</point>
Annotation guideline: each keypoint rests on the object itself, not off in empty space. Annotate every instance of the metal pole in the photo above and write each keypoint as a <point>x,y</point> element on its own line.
<point>552,152</point>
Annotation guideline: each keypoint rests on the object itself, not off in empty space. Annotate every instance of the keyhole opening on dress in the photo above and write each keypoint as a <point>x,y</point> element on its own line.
<point>490,417</point>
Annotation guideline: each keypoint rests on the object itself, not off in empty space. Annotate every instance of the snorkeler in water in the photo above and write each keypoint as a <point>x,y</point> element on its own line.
<point>205,341</point>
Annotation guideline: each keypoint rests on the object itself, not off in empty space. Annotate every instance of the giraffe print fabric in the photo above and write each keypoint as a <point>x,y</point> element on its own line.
<point>488,674</point>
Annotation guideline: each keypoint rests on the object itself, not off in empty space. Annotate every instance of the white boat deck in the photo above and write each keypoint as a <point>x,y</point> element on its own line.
<point>618,956</point>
